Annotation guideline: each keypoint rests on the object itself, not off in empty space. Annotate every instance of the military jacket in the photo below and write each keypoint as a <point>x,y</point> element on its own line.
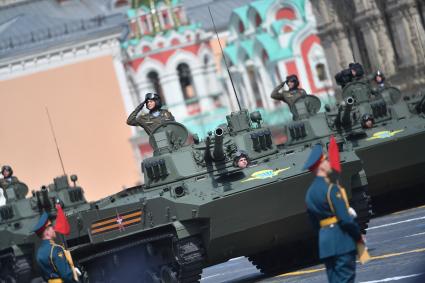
<point>289,97</point>
<point>149,121</point>
<point>20,189</point>
<point>6,182</point>
<point>53,263</point>
<point>339,238</point>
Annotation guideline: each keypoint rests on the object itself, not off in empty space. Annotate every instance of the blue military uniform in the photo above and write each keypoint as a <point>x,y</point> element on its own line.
<point>338,231</point>
<point>51,258</point>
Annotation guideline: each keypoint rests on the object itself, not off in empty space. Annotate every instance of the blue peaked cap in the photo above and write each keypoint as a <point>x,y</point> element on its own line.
<point>41,222</point>
<point>315,155</point>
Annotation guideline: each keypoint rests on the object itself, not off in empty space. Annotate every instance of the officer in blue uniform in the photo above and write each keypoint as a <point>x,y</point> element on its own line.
<point>329,213</point>
<point>52,258</point>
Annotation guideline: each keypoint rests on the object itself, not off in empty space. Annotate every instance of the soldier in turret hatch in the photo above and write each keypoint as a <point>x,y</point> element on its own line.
<point>9,180</point>
<point>241,159</point>
<point>356,71</point>
<point>378,84</point>
<point>155,117</point>
<point>291,95</point>
<point>367,121</point>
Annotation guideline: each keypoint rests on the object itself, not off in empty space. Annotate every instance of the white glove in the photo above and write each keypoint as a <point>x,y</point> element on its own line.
<point>77,271</point>
<point>352,212</point>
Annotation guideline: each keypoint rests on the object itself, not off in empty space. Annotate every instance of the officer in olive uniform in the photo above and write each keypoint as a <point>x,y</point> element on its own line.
<point>8,180</point>
<point>155,117</point>
<point>291,95</point>
<point>328,210</point>
<point>54,261</point>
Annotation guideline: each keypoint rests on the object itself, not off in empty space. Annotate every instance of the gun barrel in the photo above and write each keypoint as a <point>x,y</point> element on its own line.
<point>218,153</point>
<point>346,117</point>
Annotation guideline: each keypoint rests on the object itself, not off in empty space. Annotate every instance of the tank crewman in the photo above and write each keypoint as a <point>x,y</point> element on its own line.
<point>357,71</point>
<point>379,79</point>
<point>241,159</point>
<point>155,117</point>
<point>289,96</point>
<point>379,83</point>
<point>20,189</point>
<point>367,121</point>
<point>329,214</point>
<point>54,260</point>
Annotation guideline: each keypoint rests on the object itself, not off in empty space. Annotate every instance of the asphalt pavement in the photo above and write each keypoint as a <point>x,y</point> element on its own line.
<point>396,244</point>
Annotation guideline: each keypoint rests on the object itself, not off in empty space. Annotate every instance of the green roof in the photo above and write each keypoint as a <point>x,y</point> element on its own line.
<point>242,14</point>
<point>261,7</point>
<point>248,46</point>
<point>273,48</point>
<point>131,13</point>
<point>231,52</point>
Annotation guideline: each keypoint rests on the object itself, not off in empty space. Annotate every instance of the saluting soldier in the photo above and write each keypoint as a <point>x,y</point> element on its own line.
<point>328,209</point>
<point>291,95</point>
<point>155,117</point>
<point>55,261</point>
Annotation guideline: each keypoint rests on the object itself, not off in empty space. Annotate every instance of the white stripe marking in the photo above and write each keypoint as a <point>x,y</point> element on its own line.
<point>395,223</point>
<point>392,278</point>
<point>413,235</point>
<point>236,258</point>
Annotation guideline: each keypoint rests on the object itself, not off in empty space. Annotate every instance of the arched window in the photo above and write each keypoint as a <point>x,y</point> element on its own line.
<point>153,78</point>
<point>241,27</point>
<point>257,20</point>
<point>186,81</point>
<point>321,72</point>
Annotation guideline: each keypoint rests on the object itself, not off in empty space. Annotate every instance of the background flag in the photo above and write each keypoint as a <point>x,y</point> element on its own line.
<point>333,152</point>
<point>62,224</point>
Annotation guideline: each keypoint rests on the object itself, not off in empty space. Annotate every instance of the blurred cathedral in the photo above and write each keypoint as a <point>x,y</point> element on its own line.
<point>387,35</point>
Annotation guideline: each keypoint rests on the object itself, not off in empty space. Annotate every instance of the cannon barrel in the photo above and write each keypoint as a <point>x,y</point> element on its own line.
<point>346,117</point>
<point>218,153</point>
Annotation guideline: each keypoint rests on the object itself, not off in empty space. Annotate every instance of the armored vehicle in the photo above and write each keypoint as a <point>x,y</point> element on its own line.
<point>197,209</point>
<point>391,148</point>
<point>19,215</point>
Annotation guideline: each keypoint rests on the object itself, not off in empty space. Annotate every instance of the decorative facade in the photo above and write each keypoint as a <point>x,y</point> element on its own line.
<point>269,40</point>
<point>385,35</point>
<point>65,56</point>
<point>168,55</point>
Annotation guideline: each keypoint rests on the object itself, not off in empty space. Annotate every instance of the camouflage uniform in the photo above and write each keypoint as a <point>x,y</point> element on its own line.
<point>289,97</point>
<point>149,121</point>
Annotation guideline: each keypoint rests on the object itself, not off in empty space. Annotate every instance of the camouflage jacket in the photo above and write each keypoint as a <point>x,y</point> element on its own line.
<point>147,120</point>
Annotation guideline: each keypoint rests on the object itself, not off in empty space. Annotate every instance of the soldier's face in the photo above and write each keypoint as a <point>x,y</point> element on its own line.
<point>49,233</point>
<point>291,84</point>
<point>325,166</point>
<point>5,173</point>
<point>369,124</point>
<point>378,79</point>
<point>353,72</point>
<point>242,162</point>
<point>151,104</point>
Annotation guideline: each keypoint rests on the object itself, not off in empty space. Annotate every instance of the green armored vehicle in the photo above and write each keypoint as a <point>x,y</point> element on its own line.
<point>390,144</point>
<point>19,215</point>
<point>197,209</point>
<point>392,147</point>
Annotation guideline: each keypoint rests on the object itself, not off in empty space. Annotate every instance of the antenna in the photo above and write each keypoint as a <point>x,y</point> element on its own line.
<point>54,137</point>
<point>224,58</point>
